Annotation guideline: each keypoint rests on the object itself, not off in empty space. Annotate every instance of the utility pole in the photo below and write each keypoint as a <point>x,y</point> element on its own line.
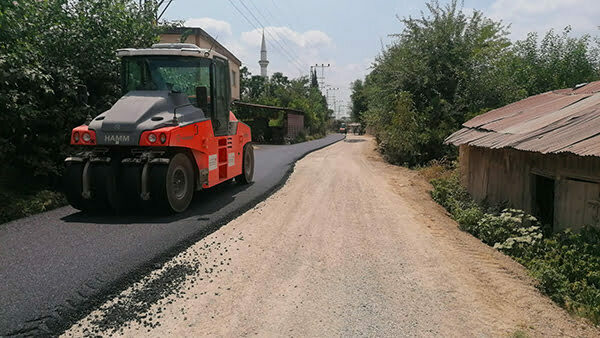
<point>335,107</point>
<point>327,94</point>
<point>338,108</point>
<point>321,78</point>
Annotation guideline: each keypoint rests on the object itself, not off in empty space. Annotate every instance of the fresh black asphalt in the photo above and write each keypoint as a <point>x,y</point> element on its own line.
<point>55,267</point>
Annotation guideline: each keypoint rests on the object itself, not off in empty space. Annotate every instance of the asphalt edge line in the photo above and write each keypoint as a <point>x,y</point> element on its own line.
<point>63,317</point>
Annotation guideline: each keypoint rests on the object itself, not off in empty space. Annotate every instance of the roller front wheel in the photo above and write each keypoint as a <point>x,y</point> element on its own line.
<point>172,185</point>
<point>247,166</point>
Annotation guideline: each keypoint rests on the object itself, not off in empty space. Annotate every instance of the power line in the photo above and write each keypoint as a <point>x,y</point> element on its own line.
<point>320,79</point>
<point>287,11</point>
<point>164,9</point>
<point>279,36</point>
<point>251,23</point>
<point>290,57</point>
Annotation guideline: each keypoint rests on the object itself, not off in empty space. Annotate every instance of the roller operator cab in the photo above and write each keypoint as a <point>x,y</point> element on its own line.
<point>170,134</point>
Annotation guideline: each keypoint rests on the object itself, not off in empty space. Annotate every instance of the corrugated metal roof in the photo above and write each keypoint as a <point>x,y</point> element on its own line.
<point>587,147</point>
<point>566,120</point>
<point>590,88</point>
<point>529,114</point>
<point>509,110</point>
<point>580,107</point>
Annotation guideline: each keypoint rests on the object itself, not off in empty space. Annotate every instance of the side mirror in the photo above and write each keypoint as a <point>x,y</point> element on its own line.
<point>202,98</point>
<point>82,94</point>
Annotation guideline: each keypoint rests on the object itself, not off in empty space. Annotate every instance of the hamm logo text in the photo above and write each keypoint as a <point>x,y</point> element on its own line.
<point>116,139</point>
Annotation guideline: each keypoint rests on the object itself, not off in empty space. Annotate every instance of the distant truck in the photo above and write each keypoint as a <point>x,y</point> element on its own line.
<point>343,129</point>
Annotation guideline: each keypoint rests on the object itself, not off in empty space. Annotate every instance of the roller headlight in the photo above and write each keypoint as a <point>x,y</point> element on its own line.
<point>76,137</point>
<point>163,138</point>
<point>86,137</point>
<point>151,138</point>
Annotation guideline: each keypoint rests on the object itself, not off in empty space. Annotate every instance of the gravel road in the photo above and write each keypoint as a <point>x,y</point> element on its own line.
<point>350,246</point>
<point>57,266</point>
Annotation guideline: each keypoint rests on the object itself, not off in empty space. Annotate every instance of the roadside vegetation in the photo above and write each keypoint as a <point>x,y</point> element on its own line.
<point>448,66</point>
<point>565,264</point>
<point>278,90</point>
<point>49,50</point>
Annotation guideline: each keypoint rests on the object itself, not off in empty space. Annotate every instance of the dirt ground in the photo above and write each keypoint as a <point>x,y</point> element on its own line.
<point>350,246</point>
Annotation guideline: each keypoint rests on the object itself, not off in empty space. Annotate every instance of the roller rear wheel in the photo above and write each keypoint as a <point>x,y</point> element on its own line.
<point>130,185</point>
<point>172,185</point>
<point>73,184</point>
<point>99,175</point>
<point>247,166</point>
<point>104,187</point>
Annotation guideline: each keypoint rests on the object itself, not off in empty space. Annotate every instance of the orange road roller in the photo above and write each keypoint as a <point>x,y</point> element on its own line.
<point>170,134</point>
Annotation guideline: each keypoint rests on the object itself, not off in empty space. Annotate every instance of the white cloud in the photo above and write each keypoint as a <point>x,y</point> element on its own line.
<point>542,15</point>
<point>311,38</point>
<point>306,48</point>
<point>214,27</point>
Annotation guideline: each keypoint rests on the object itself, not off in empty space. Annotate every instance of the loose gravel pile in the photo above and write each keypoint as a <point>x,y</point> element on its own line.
<point>143,302</point>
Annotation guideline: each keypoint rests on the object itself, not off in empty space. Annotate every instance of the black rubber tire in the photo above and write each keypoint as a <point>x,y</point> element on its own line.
<point>105,186</point>
<point>172,185</point>
<point>130,185</point>
<point>100,177</point>
<point>73,184</point>
<point>247,165</point>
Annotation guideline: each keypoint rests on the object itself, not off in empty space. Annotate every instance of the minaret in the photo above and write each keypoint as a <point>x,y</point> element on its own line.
<point>263,57</point>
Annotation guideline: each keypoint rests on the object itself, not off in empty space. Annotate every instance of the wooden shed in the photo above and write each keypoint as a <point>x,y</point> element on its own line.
<point>540,154</point>
<point>289,122</point>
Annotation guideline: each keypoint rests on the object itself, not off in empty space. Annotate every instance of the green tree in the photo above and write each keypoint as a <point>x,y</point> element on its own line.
<point>556,61</point>
<point>446,62</point>
<point>282,91</point>
<point>359,100</point>
<point>244,82</point>
<point>314,81</point>
<point>48,49</point>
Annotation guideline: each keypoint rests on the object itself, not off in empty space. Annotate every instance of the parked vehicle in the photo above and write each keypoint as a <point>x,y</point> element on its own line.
<point>171,133</point>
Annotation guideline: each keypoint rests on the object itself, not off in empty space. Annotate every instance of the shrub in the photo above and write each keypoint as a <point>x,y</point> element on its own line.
<point>48,49</point>
<point>508,229</point>
<point>18,205</point>
<point>468,218</point>
<point>566,264</point>
<point>301,137</point>
<point>451,195</point>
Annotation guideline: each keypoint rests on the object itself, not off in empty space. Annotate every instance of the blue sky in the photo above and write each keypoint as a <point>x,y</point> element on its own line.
<point>349,34</point>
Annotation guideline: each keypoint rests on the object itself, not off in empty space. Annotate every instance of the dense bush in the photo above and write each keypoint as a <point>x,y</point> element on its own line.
<point>566,264</point>
<point>452,196</point>
<point>17,205</point>
<point>512,231</point>
<point>48,50</point>
<point>568,267</point>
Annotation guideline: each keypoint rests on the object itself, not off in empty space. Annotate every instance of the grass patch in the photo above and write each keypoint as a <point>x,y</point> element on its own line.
<point>519,334</point>
<point>437,169</point>
<point>566,264</point>
<point>15,204</point>
<point>303,137</point>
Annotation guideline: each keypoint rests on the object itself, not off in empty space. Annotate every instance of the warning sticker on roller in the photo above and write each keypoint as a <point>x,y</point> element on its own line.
<point>231,158</point>
<point>212,162</point>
